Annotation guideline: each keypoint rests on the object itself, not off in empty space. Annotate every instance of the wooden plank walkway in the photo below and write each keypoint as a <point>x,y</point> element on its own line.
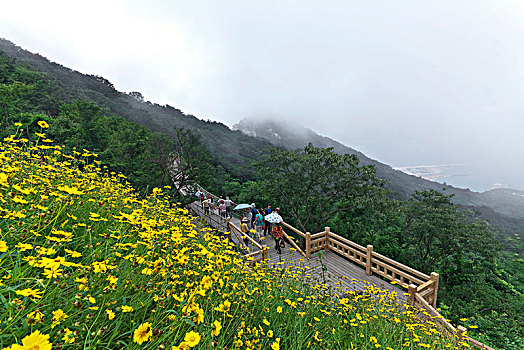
<point>330,269</point>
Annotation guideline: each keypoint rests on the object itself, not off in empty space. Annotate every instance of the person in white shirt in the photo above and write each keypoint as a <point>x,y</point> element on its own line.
<point>228,203</point>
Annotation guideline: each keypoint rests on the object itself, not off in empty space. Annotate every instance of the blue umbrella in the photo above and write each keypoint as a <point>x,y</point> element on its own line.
<point>242,206</point>
<point>273,218</point>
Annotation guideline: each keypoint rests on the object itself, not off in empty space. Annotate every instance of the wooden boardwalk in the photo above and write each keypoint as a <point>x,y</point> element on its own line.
<point>340,268</point>
<point>328,268</point>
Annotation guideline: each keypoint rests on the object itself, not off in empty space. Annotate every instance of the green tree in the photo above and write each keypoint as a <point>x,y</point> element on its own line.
<point>312,184</point>
<point>436,230</point>
<point>190,164</point>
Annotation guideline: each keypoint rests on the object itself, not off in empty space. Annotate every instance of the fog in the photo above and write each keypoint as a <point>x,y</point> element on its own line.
<point>410,83</point>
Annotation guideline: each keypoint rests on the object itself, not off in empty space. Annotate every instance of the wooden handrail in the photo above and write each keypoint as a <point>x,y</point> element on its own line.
<point>448,327</point>
<point>239,237</point>
<point>428,286</point>
<point>258,252</point>
<point>347,241</point>
<point>320,234</point>
<point>293,229</point>
<point>424,285</point>
<point>255,243</point>
<point>418,274</point>
<point>293,243</point>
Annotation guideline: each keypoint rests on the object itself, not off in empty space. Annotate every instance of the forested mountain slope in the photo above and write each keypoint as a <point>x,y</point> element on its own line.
<point>231,149</point>
<point>503,207</point>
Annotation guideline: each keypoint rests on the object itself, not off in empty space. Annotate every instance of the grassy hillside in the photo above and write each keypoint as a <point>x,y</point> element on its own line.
<point>87,264</point>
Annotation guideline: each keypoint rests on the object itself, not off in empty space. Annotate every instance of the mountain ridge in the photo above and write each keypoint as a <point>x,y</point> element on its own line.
<point>507,203</point>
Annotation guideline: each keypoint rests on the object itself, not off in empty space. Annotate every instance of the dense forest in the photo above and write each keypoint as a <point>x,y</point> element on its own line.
<point>315,187</point>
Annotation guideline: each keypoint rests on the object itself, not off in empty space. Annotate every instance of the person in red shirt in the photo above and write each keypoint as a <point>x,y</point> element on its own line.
<point>277,236</point>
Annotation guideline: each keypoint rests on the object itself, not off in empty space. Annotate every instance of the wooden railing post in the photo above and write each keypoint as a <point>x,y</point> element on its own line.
<point>434,277</point>
<point>308,245</point>
<point>327,230</point>
<point>369,260</point>
<point>412,289</point>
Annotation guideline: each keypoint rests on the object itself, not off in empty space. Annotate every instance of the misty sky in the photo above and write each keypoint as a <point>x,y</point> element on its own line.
<point>406,82</point>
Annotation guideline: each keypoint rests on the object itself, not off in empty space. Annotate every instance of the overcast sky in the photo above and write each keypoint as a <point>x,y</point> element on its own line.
<point>406,82</point>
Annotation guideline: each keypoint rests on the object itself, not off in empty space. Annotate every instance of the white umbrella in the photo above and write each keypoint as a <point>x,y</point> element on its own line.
<point>242,206</point>
<point>273,218</point>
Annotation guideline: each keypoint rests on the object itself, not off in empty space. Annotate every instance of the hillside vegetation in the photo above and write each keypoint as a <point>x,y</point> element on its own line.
<point>55,85</point>
<point>88,264</point>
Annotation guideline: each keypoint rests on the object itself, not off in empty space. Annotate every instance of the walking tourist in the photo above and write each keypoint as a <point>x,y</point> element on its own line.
<point>267,224</point>
<point>228,202</point>
<point>206,205</point>
<point>245,230</point>
<point>277,236</point>
<point>259,224</point>
<point>254,213</point>
<point>211,204</point>
<point>222,208</point>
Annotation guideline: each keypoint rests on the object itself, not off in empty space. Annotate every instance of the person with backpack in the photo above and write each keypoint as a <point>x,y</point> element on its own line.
<point>259,224</point>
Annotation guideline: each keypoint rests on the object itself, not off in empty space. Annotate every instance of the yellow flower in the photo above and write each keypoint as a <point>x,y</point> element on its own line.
<point>34,317</point>
<point>3,246</point>
<point>68,336</point>
<point>70,190</point>
<point>58,316</point>
<point>218,327</point>
<point>316,337</point>
<point>270,333</point>
<point>279,309</point>
<point>126,308</point>
<point>43,124</point>
<point>52,273</point>
<point>73,253</point>
<point>266,322</point>
<point>3,180</point>
<point>36,340</point>
<point>192,338</point>
<point>142,333</point>
<point>276,345</point>
<point>110,314</point>
<point>28,292</point>
<point>24,246</point>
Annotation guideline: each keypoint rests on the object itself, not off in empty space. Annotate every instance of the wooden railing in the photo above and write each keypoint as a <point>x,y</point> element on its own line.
<point>422,288</point>
<point>259,254</point>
